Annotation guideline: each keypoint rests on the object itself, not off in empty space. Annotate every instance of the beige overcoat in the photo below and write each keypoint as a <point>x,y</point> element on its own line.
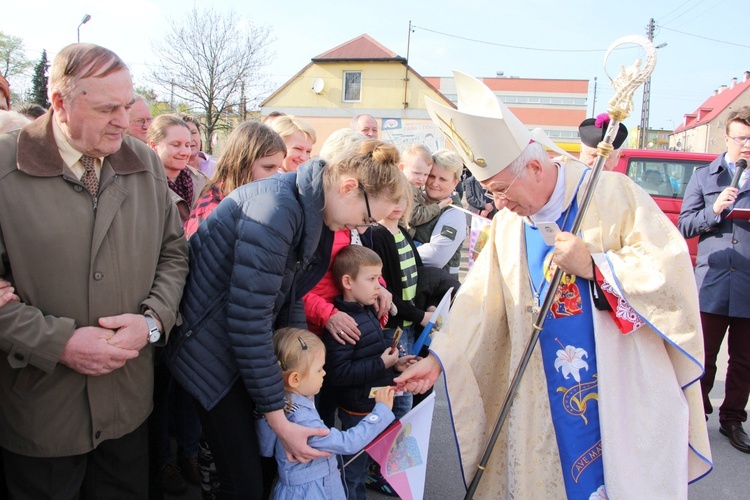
<point>71,265</point>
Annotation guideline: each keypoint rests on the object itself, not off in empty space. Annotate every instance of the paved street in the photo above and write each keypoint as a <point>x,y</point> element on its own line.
<point>729,479</point>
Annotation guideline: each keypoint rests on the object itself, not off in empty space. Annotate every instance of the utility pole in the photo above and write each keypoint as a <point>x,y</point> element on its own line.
<point>643,133</point>
<point>593,108</point>
<point>406,75</point>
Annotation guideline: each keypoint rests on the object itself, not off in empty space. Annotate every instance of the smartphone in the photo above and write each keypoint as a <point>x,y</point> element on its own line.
<point>548,231</point>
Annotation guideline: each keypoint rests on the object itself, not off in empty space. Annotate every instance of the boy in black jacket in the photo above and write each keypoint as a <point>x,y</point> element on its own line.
<point>353,370</point>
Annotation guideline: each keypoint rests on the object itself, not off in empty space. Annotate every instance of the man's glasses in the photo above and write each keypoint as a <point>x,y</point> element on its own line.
<point>370,221</point>
<point>502,195</point>
<point>741,140</point>
<point>142,121</point>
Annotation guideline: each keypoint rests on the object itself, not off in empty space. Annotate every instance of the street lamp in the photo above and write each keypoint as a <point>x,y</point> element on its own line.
<point>86,18</point>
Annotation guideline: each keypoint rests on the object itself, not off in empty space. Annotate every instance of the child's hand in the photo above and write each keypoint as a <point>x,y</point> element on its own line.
<point>389,358</point>
<point>426,319</point>
<point>405,362</point>
<point>385,395</point>
<point>445,202</point>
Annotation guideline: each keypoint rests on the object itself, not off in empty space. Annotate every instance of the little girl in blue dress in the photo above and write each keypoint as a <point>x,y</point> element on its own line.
<point>301,355</point>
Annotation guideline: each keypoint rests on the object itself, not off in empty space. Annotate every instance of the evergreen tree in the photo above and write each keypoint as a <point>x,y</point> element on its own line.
<point>38,94</point>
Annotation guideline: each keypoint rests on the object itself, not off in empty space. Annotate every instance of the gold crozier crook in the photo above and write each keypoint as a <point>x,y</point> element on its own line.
<point>457,140</point>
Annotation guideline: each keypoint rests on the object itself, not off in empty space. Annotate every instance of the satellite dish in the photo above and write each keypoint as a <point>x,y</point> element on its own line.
<point>318,85</point>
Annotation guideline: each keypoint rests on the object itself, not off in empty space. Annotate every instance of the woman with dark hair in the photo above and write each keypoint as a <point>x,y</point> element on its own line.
<point>252,152</point>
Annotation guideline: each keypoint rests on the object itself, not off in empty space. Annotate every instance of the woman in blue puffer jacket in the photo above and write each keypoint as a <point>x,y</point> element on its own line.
<point>265,246</point>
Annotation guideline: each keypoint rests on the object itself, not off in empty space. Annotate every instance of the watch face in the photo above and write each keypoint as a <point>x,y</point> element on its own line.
<point>153,330</point>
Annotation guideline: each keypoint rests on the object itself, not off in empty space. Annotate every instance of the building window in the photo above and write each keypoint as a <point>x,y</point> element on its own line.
<point>534,99</point>
<point>352,86</point>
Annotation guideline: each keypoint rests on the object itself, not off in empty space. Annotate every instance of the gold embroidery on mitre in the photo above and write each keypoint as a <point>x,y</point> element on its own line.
<point>459,141</point>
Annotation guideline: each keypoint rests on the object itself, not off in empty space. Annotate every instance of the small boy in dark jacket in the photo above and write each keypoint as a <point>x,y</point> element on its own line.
<point>353,370</point>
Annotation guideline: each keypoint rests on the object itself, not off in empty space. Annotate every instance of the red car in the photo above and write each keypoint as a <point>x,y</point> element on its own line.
<point>664,175</point>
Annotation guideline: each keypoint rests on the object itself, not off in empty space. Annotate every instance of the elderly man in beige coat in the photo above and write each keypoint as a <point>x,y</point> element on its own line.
<point>93,246</point>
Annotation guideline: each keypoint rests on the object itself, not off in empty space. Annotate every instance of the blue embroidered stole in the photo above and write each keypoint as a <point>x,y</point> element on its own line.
<point>569,358</point>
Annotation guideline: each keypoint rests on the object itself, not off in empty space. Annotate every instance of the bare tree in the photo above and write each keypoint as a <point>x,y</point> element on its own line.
<point>207,57</point>
<point>12,56</point>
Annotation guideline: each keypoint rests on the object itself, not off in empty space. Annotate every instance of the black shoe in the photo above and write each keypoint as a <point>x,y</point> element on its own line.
<point>737,436</point>
<point>172,482</point>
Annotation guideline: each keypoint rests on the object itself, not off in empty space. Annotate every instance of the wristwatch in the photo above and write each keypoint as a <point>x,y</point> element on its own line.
<point>154,334</point>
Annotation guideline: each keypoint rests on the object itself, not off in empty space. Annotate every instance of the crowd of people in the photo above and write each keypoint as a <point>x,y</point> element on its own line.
<point>241,306</point>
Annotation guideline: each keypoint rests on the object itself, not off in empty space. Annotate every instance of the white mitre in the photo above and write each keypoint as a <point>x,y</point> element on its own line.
<point>483,130</point>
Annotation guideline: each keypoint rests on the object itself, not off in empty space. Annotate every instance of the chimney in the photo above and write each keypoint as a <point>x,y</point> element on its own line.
<point>716,92</point>
<point>747,76</point>
<point>722,88</point>
<point>733,83</point>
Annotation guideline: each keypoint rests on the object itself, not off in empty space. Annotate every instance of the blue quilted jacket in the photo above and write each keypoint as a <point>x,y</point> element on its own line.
<point>251,261</point>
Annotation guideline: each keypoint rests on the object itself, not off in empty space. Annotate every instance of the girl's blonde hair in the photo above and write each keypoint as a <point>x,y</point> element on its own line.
<point>295,348</point>
<point>247,142</point>
<point>374,166</point>
<point>158,129</point>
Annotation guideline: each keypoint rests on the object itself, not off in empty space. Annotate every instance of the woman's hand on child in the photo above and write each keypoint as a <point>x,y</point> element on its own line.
<point>343,328</point>
<point>405,362</point>
<point>294,437</point>
<point>385,395</point>
<point>389,357</point>
<point>383,304</point>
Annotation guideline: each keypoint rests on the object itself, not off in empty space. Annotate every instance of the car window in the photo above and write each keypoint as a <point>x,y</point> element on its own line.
<point>665,178</point>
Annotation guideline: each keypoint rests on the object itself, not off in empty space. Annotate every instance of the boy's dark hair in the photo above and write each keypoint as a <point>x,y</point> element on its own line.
<point>350,260</point>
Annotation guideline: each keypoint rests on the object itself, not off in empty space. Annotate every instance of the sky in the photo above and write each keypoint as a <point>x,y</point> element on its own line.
<point>524,38</point>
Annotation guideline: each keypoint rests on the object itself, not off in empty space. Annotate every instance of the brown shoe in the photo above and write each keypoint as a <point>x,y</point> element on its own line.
<point>191,471</point>
<point>171,480</point>
<point>737,436</point>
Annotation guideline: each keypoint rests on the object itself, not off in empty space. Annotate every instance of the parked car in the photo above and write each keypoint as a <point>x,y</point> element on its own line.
<point>665,176</point>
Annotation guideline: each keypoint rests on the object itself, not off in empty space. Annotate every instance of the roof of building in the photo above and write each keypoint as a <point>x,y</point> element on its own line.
<point>361,48</point>
<point>712,106</point>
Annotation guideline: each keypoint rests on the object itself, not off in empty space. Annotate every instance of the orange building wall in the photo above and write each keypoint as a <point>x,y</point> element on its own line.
<point>549,116</point>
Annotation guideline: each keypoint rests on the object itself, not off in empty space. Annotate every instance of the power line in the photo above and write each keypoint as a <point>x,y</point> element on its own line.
<point>701,13</point>
<point>673,11</point>
<point>706,38</point>
<point>538,49</point>
<point>683,12</point>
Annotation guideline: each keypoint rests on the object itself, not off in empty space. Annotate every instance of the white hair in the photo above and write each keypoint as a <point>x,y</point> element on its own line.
<point>342,140</point>
<point>534,151</point>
